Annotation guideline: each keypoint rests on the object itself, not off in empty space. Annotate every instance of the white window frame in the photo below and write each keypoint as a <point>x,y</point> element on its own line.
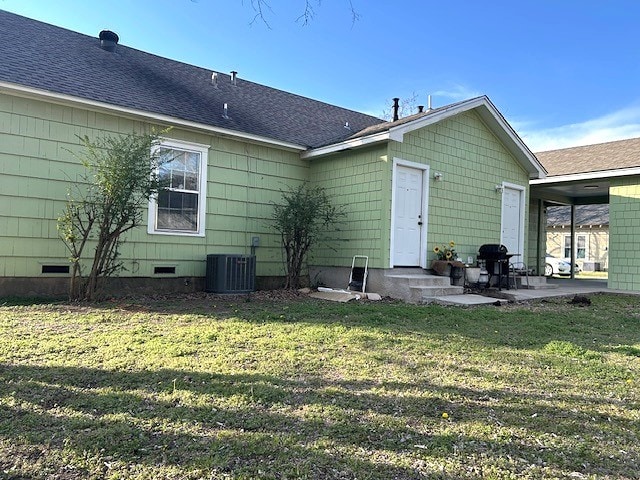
<point>567,240</point>
<point>586,246</point>
<point>203,151</point>
<point>574,244</point>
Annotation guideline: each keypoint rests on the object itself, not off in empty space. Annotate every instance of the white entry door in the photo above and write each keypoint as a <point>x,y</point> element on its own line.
<point>408,218</point>
<point>512,235</point>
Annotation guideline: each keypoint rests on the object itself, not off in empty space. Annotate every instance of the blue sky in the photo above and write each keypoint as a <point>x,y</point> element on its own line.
<point>563,72</point>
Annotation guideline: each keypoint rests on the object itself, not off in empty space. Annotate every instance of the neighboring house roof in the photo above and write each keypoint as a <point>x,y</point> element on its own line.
<point>585,215</point>
<point>62,62</point>
<point>621,154</point>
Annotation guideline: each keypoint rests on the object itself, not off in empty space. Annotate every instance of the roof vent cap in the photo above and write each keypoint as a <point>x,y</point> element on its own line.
<point>108,40</point>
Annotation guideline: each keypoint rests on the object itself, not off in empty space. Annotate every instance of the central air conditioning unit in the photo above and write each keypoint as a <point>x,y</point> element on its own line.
<point>229,273</point>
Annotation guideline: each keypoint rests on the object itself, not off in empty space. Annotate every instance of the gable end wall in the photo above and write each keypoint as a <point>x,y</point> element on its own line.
<point>464,206</point>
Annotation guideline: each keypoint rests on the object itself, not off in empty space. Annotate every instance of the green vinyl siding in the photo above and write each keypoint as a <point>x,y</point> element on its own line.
<point>624,227</point>
<point>38,141</point>
<point>356,180</point>
<point>464,206</point>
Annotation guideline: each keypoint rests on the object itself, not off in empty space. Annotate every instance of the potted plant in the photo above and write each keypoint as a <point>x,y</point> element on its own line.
<point>446,264</point>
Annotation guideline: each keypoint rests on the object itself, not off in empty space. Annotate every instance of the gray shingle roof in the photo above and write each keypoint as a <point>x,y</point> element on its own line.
<point>585,215</point>
<point>50,58</point>
<point>592,158</point>
<point>382,127</point>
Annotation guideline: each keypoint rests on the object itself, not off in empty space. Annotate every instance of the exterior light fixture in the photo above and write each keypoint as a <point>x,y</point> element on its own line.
<point>437,177</point>
<point>499,188</point>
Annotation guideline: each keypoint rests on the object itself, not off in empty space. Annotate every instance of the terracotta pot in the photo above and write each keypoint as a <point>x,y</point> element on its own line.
<point>441,267</point>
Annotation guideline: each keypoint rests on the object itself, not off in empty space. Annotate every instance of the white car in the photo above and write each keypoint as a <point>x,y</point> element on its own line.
<point>556,266</point>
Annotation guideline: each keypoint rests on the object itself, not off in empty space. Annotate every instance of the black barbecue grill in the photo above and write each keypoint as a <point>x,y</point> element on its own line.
<point>496,261</point>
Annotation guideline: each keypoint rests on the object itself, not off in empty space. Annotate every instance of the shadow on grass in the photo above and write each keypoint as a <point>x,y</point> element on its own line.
<point>609,324</point>
<point>259,426</point>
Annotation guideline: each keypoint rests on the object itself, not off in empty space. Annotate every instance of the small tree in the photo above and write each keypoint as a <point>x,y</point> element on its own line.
<point>119,179</point>
<point>303,217</point>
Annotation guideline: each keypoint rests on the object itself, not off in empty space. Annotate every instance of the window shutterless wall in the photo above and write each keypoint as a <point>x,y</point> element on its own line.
<point>37,143</point>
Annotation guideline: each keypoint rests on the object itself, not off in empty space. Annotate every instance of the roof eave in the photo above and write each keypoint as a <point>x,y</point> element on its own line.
<point>576,177</point>
<point>346,145</point>
<point>70,100</point>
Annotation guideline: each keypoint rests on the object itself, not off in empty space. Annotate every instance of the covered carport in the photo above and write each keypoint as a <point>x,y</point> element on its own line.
<point>593,174</point>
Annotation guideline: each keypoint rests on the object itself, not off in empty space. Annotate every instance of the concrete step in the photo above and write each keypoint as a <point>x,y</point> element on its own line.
<point>425,294</point>
<point>534,283</point>
<point>405,271</point>
<point>415,284</point>
<point>420,280</point>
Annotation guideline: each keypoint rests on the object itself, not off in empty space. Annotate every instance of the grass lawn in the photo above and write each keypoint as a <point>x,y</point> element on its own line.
<point>205,387</point>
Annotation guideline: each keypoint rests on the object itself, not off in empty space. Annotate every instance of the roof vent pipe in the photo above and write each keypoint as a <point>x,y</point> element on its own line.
<point>225,111</point>
<point>429,103</point>
<point>420,108</point>
<point>214,79</point>
<point>396,107</point>
<point>234,75</point>
<point>108,40</point>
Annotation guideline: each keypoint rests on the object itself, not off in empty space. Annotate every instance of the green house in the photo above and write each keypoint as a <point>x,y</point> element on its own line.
<point>455,173</point>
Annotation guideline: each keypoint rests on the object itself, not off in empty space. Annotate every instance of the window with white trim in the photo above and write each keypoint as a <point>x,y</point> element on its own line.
<point>581,247</point>
<point>179,208</point>
<point>567,246</point>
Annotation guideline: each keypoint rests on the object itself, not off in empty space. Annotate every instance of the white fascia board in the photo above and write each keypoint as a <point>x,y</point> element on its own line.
<point>346,145</point>
<point>577,177</point>
<point>70,100</point>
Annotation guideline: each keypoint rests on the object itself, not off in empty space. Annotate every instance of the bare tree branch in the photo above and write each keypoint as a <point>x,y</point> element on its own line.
<point>355,16</point>
<point>308,13</point>
<point>408,106</point>
<point>262,7</point>
<point>258,7</point>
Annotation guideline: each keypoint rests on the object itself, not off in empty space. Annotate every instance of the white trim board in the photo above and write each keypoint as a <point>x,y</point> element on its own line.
<point>425,208</point>
<point>521,237</point>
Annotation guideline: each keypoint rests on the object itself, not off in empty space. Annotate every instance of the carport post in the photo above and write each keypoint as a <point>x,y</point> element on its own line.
<point>573,241</point>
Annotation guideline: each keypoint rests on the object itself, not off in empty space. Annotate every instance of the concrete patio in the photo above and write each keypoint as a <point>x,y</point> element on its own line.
<point>560,287</point>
